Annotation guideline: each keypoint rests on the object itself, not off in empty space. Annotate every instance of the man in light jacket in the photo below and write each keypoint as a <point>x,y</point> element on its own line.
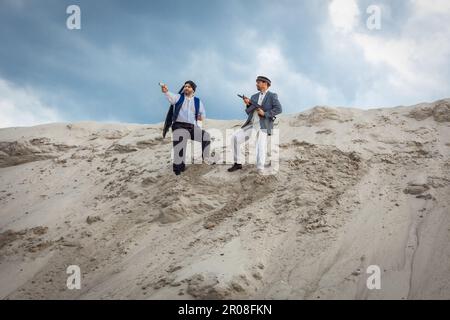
<point>259,120</point>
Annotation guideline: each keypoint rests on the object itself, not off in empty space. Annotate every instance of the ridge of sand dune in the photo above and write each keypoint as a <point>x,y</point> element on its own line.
<point>354,188</point>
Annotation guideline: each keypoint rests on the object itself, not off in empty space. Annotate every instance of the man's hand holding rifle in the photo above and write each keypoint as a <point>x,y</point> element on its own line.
<point>249,103</point>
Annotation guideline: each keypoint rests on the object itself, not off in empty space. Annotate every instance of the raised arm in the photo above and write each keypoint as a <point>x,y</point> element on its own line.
<point>171,97</point>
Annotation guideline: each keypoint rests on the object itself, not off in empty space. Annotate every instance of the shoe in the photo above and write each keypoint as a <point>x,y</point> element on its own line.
<point>177,173</point>
<point>235,167</point>
<point>179,168</point>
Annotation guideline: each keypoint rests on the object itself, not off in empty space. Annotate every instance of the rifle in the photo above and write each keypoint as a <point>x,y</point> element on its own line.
<point>252,103</point>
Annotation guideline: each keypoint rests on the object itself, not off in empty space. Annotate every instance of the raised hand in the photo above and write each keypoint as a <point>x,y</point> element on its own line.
<point>164,88</point>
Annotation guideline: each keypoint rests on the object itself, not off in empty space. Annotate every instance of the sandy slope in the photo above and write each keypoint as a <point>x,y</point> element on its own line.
<point>354,188</point>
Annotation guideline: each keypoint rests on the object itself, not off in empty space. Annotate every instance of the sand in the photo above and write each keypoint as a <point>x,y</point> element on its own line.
<point>355,188</point>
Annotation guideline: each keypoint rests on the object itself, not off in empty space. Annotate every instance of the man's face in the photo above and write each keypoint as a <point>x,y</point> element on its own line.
<point>188,89</point>
<point>261,86</point>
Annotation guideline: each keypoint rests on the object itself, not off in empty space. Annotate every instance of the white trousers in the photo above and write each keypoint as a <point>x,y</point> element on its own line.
<point>241,136</point>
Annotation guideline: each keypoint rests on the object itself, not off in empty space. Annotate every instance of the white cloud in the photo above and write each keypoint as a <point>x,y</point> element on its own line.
<point>293,87</point>
<point>22,107</point>
<point>296,90</point>
<point>344,14</point>
<point>427,7</point>
<point>410,65</point>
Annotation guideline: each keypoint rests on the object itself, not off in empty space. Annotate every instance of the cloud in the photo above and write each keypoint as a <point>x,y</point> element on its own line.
<point>405,66</point>
<point>22,107</point>
<point>296,89</point>
<point>426,7</point>
<point>221,77</point>
<point>344,14</point>
<point>316,52</point>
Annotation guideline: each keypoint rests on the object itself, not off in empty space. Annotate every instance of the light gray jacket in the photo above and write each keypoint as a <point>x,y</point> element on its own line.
<point>271,106</point>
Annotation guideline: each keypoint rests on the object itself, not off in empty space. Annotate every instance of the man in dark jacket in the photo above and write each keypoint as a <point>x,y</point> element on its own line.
<point>185,112</point>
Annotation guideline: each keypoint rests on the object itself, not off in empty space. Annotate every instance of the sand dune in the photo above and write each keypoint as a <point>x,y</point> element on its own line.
<point>355,188</point>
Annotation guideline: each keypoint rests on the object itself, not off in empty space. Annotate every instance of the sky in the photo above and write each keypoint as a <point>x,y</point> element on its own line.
<point>316,52</point>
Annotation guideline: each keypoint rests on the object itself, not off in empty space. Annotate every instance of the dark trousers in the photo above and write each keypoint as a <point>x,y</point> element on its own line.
<point>183,131</point>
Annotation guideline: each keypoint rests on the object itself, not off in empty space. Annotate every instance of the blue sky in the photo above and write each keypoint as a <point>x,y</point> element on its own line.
<point>317,52</point>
